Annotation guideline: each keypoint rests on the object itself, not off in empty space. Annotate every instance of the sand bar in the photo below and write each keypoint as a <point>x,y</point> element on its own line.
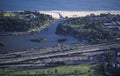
<point>56,13</point>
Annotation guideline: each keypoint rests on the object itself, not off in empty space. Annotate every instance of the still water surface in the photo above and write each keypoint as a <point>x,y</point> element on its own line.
<point>21,42</point>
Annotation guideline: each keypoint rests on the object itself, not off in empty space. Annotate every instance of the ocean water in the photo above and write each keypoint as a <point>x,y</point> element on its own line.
<point>72,5</point>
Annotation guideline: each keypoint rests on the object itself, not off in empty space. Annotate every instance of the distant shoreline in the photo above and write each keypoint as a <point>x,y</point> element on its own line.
<point>64,13</point>
<point>67,13</point>
<point>59,10</point>
<point>70,13</point>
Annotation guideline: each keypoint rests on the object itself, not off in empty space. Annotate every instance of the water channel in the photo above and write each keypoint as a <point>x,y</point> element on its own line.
<point>22,42</point>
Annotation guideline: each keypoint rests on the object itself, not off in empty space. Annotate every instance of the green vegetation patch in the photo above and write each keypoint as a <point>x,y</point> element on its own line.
<point>26,21</point>
<point>77,26</point>
<point>92,29</point>
<point>9,14</point>
<point>80,70</point>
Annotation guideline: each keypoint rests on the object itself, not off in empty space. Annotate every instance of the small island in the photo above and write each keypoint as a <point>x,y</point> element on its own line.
<point>2,44</point>
<point>62,40</point>
<point>39,40</point>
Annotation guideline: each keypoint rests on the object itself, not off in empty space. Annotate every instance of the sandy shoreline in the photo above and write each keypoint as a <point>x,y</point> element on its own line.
<point>56,13</point>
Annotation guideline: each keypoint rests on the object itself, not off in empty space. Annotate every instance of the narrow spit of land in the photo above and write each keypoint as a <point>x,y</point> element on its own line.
<point>56,13</point>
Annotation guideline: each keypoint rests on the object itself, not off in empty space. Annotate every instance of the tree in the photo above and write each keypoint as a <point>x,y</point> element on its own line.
<point>48,71</point>
<point>28,72</point>
<point>56,71</point>
<point>1,13</point>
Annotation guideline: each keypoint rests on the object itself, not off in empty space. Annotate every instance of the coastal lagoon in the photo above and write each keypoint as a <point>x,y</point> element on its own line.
<point>22,42</point>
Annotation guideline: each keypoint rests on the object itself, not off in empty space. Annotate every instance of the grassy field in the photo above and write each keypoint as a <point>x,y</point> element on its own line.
<point>76,26</point>
<point>76,70</point>
<point>8,14</point>
<point>81,70</point>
